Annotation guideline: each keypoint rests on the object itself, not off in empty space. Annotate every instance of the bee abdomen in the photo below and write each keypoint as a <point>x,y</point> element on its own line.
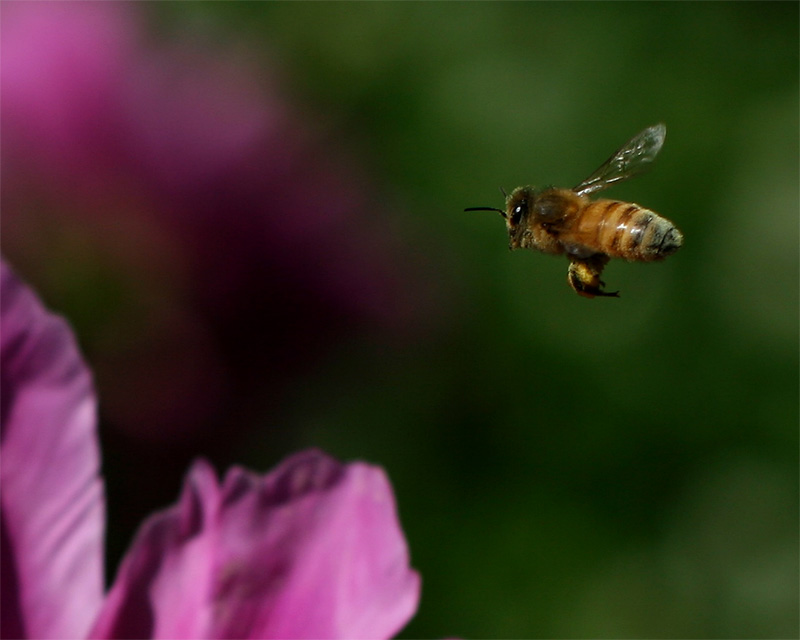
<point>626,230</point>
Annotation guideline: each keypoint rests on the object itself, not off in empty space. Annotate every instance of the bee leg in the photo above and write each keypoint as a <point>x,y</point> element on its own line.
<point>584,276</point>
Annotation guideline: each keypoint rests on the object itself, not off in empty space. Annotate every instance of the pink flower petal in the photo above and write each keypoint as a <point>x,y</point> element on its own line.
<point>62,65</point>
<point>52,497</point>
<point>314,549</point>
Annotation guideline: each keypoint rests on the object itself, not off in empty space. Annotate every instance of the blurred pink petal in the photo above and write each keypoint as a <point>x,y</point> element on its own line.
<point>52,497</point>
<point>61,73</point>
<point>177,172</point>
<point>313,549</point>
<point>202,143</point>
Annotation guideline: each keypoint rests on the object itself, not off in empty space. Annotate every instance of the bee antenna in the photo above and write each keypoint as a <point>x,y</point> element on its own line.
<point>503,191</point>
<point>500,211</point>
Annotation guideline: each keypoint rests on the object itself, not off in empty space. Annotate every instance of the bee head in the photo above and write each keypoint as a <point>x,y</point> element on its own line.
<point>518,206</point>
<point>516,212</point>
<point>517,215</point>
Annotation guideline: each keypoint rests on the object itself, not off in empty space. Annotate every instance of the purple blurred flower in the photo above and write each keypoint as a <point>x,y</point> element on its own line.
<point>220,243</point>
<point>52,497</point>
<point>313,549</point>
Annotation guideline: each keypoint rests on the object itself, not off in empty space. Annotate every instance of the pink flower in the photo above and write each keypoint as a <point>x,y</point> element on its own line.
<point>227,239</point>
<point>312,549</point>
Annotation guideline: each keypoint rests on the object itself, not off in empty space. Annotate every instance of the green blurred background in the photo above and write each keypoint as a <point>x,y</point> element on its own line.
<point>563,467</point>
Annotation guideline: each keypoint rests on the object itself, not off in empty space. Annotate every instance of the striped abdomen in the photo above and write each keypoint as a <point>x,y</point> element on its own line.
<point>625,230</point>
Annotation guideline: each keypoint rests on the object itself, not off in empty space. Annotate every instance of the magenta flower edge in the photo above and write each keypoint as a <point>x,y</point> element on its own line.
<point>53,510</point>
<point>312,549</point>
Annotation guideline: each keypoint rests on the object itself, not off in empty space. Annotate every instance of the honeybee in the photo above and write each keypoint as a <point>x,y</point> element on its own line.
<point>591,232</point>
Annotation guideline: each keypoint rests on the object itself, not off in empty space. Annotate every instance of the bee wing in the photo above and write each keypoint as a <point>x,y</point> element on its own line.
<point>629,160</point>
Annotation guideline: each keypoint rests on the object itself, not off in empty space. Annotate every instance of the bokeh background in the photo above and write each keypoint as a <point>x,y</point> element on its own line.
<point>252,215</point>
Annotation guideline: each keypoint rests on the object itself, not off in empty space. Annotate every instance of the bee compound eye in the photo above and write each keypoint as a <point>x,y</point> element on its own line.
<point>520,210</point>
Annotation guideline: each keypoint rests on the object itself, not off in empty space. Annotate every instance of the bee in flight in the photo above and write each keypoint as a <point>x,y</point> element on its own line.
<point>591,232</point>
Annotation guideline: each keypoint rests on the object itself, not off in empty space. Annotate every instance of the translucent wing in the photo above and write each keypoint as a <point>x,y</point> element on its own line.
<point>631,159</point>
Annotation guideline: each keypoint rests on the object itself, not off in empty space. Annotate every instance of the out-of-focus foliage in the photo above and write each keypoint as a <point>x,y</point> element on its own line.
<point>564,467</point>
